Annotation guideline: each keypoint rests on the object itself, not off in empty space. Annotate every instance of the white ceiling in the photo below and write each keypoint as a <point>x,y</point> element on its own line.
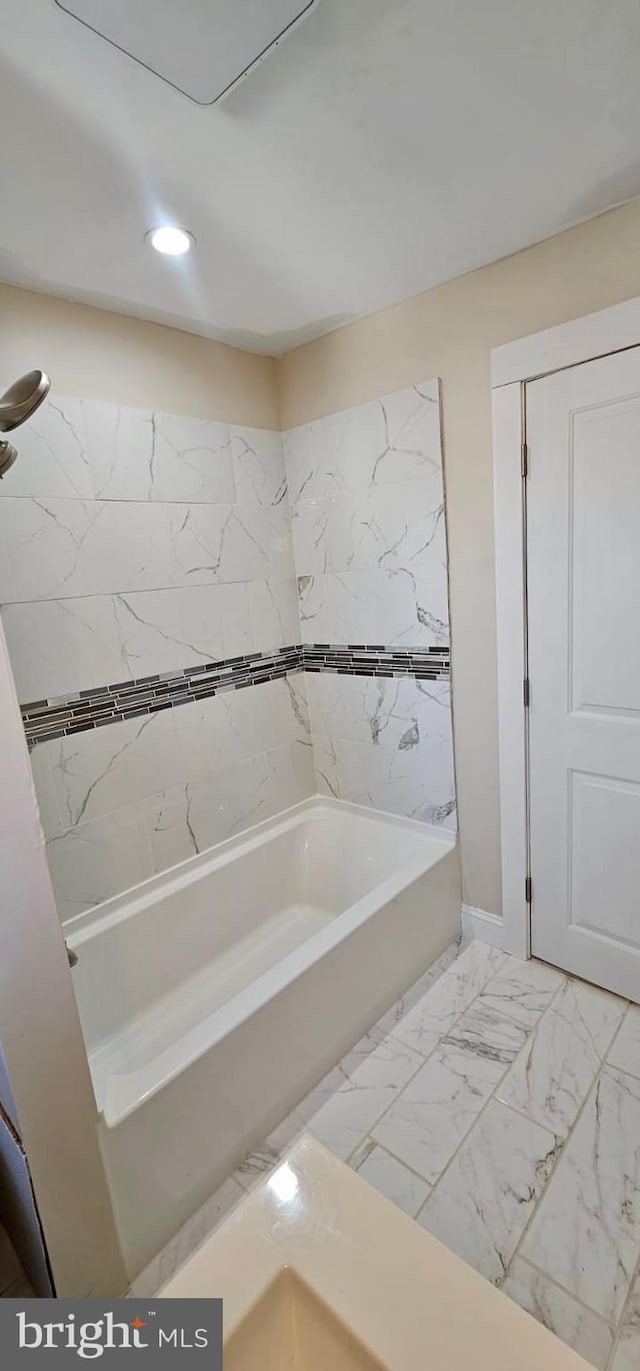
<point>385,146</point>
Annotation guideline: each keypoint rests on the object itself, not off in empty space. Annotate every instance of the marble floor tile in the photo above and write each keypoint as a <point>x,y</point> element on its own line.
<point>586,1234</point>
<point>370,1087</point>
<point>584,1331</point>
<point>625,1053</point>
<point>482,1204</point>
<point>436,1013</point>
<point>627,1352</point>
<point>487,1032</point>
<point>427,1122</point>
<point>555,1071</point>
<point>521,991</point>
<point>390,1177</point>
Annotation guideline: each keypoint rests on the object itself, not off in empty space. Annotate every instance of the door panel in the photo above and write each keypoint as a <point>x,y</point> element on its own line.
<point>583,502</point>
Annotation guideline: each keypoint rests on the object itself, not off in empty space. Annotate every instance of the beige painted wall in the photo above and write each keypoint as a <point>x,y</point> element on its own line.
<point>448,332</point>
<point>104,356</point>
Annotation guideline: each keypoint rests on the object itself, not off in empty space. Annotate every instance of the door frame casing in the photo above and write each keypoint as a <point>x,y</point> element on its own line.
<point>512,366</point>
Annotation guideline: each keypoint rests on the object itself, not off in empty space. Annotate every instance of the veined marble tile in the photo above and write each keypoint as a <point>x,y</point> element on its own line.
<point>437,1011</point>
<point>627,1353</point>
<point>488,1033</point>
<point>390,526</point>
<point>416,781</point>
<point>585,1332</point>
<point>61,646</point>
<point>586,1234</point>
<point>555,1071</point>
<point>138,454</point>
<point>325,764</point>
<point>625,1053</point>
<point>381,442</point>
<point>407,608</point>
<point>273,610</point>
<point>427,1122</point>
<point>228,728</point>
<point>90,863</point>
<point>291,774</point>
<point>481,1206</point>
<point>390,1177</point>
<point>53,457</point>
<point>193,817</point>
<point>342,1123</point>
<point>191,460</point>
<point>105,769</point>
<point>385,711</point>
<point>522,990</point>
<point>258,466</point>
<point>58,548</point>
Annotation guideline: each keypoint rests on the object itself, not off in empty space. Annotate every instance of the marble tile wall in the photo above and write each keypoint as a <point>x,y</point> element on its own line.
<point>367,503</point>
<point>135,543</point>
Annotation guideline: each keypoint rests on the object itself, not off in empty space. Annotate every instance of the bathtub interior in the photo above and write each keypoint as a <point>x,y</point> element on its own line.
<point>154,967</point>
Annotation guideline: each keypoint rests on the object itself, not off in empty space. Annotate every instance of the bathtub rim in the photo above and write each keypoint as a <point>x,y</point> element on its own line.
<point>127,1091</point>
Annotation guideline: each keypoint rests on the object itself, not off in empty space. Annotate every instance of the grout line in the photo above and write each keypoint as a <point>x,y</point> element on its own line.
<point>563,1290</point>
<point>382,1147</point>
<point>621,1321</point>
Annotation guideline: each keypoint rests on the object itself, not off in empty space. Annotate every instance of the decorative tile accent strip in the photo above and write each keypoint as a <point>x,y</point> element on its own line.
<point>45,720</point>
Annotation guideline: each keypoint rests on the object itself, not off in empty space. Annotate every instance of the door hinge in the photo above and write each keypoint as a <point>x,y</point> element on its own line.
<point>526,692</point>
<point>527,890</point>
<point>524,460</point>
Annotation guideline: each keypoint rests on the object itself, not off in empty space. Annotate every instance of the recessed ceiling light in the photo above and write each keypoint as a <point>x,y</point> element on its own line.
<point>171,240</point>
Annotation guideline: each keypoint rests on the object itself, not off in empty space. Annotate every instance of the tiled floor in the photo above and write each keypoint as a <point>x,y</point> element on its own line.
<point>497,1103</point>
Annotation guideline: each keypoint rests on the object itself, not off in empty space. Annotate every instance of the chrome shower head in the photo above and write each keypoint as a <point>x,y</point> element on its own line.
<point>8,456</point>
<point>21,400</point>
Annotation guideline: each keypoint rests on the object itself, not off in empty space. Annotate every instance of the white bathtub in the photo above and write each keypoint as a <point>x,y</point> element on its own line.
<point>213,997</point>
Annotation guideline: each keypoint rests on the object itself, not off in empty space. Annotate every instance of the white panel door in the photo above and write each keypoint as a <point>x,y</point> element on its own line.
<point>583,492</point>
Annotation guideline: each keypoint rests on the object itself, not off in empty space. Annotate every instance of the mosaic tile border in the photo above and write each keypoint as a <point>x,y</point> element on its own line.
<point>45,720</point>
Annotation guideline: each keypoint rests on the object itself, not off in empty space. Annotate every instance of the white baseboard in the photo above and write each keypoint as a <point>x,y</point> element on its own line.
<point>478,923</point>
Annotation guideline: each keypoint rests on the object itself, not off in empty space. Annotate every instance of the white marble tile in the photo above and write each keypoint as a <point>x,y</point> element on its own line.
<point>427,1122</point>
<point>627,1352</point>
<point>258,466</point>
<point>489,1033</point>
<point>390,1177</point>
<point>119,444</point>
<point>416,780</point>
<point>586,1233</point>
<point>61,646</point>
<point>187,1240</point>
<point>482,1205</point>
<point>325,764</point>
<point>53,457</point>
<point>99,859</point>
<point>58,548</point>
<point>191,460</point>
<point>381,442</point>
<point>194,816</point>
<point>291,774</point>
<point>625,1053</point>
<point>138,454</point>
<point>436,1013</point>
<point>105,769</point>
<point>372,1083</point>
<point>521,991</point>
<point>587,1334</point>
<point>386,712</point>
<point>553,1074</point>
<point>273,611</point>
<point>408,608</point>
<point>390,526</point>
